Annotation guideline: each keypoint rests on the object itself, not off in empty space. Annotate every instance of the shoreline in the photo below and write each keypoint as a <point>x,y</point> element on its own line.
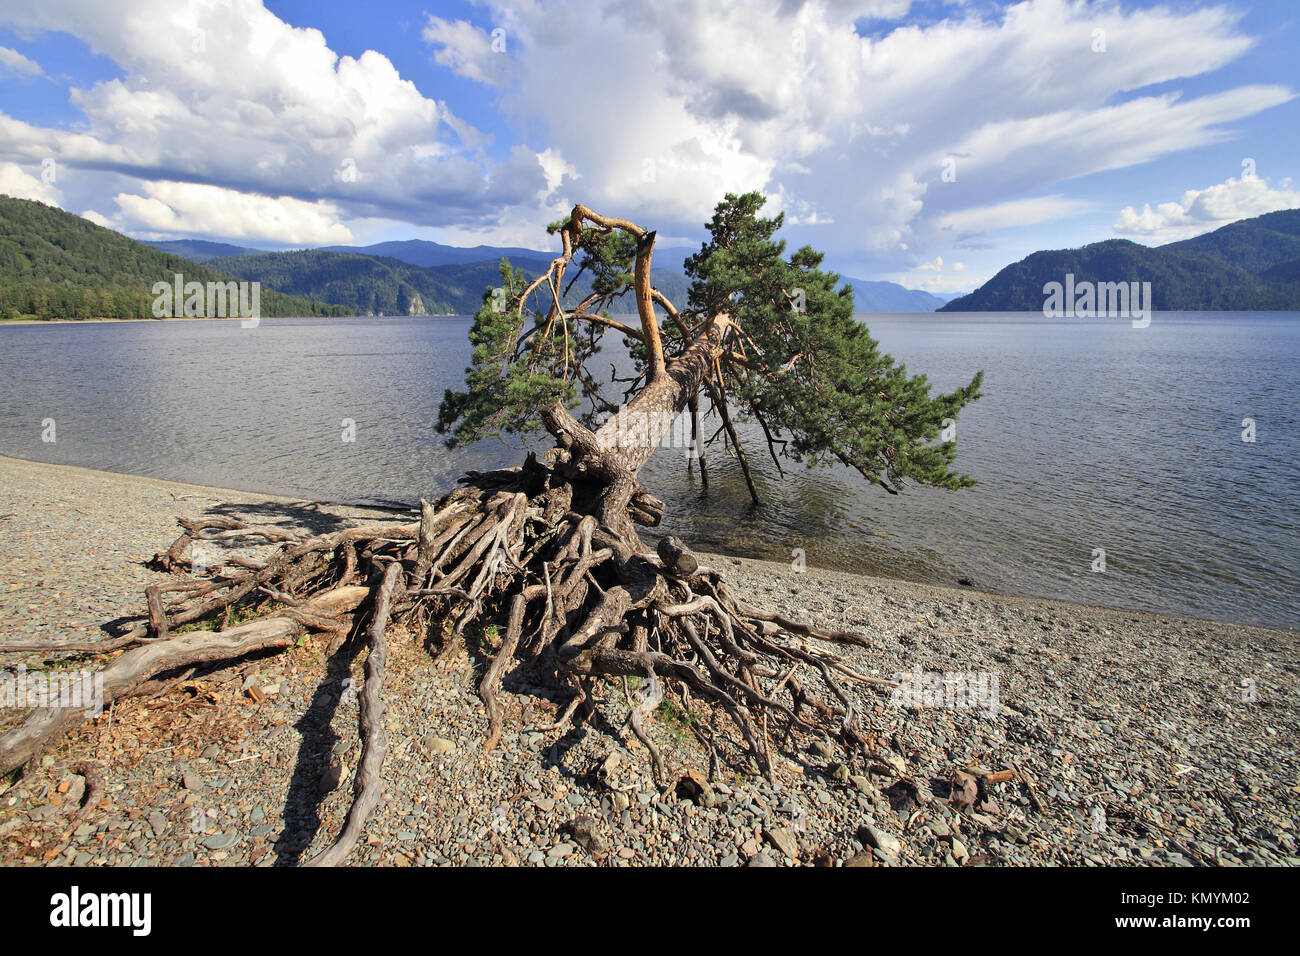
<point>379,511</point>
<point>1146,740</point>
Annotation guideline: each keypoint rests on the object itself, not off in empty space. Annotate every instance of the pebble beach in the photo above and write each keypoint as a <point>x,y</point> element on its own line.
<point>1099,737</point>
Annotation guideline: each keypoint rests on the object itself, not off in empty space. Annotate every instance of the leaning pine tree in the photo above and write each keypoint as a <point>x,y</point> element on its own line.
<point>548,551</point>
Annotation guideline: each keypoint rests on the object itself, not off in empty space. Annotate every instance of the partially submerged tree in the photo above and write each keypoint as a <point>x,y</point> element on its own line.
<point>549,550</point>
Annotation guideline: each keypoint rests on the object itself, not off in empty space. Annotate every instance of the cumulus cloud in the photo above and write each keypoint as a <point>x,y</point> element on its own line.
<point>20,184</point>
<point>13,60</point>
<point>648,111</point>
<point>467,50</point>
<point>1204,210</point>
<point>170,208</point>
<point>226,94</point>
<point>850,132</point>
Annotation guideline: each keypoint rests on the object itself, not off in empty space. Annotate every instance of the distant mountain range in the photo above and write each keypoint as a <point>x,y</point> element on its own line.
<point>416,276</point>
<point>871,296</point>
<point>383,285</point>
<point>54,264</point>
<point>1249,265</point>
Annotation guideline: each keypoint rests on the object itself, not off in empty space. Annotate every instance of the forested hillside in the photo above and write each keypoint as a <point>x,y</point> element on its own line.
<point>1249,265</point>
<point>54,265</point>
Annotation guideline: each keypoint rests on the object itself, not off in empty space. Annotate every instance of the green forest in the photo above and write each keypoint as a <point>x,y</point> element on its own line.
<point>1247,265</point>
<point>54,265</point>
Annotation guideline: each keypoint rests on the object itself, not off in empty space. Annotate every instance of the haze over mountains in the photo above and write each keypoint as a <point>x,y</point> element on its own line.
<point>417,276</point>
<point>1252,264</point>
<point>57,265</point>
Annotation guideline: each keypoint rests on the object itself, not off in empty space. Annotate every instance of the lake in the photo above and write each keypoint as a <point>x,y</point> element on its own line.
<point>1091,435</point>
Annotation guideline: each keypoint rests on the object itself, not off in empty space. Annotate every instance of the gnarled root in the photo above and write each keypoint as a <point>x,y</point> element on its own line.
<point>552,555</point>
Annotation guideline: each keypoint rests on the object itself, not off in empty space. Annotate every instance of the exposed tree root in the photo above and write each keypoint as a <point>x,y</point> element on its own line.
<point>547,550</point>
<point>579,599</point>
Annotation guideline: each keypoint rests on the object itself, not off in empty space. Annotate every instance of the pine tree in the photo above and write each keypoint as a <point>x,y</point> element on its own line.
<point>547,552</point>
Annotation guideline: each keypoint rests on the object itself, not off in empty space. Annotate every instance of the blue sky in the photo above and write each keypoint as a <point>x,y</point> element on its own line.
<point>929,143</point>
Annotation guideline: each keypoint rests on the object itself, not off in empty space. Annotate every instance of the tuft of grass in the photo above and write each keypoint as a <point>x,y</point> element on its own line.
<point>676,720</point>
<point>232,616</point>
<point>489,638</point>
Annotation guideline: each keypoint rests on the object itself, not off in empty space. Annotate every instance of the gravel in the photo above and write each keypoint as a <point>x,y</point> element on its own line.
<point>1149,740</point>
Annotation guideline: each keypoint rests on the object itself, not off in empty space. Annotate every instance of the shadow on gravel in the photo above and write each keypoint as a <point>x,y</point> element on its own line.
<point>312,516</point>
<point>307,787</point>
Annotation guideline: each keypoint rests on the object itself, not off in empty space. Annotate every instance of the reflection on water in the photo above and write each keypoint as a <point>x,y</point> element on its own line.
<point>1091,435</point>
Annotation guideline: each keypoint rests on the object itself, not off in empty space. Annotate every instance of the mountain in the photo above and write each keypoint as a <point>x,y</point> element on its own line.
<point>871,296</point>
<point>54,265</point>
<point>413,277</point>
<point>372,285</point>
<point>422,252</point>
<point>1247,265</point>
<point>199,250</point>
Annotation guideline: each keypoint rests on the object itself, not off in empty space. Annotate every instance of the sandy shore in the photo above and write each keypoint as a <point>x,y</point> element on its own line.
<point>1147,739</point>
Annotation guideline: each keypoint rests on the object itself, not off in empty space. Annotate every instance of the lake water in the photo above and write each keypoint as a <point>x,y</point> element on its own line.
<point>1091,435</point>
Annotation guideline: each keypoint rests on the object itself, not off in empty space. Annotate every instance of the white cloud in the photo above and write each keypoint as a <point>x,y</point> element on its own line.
<point>226,94</point>
<point>170,208</point>
<point>1014,212</point>
<point>1204,210</point>
<point>20,184</point>
<point>649,112</point>
<point>695,98</point>
<point>15,61</point>
<point>933,276</point>
<point>467,50</point>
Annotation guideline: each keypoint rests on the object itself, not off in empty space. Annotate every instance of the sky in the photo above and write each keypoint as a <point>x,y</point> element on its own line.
<point>928,143</point>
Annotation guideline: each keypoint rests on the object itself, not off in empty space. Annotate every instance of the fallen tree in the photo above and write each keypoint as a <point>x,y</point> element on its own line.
<point>548,550</point>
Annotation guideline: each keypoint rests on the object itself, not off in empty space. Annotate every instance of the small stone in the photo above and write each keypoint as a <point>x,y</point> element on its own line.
<point>192,782</point>
<point>560,851</point>
<point>897,765</point>
<point>761,859</point>
<point>861,859</point>
<point>783,840</point>
<point>959,851</point>
<point>585,835</point>
<point>332,776</point>
<point>889,846</point>
<point>621,802</point>
<point>437,745</point>
<point>219,841</point>
<point>695,786</point>
<point>157,823</point>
